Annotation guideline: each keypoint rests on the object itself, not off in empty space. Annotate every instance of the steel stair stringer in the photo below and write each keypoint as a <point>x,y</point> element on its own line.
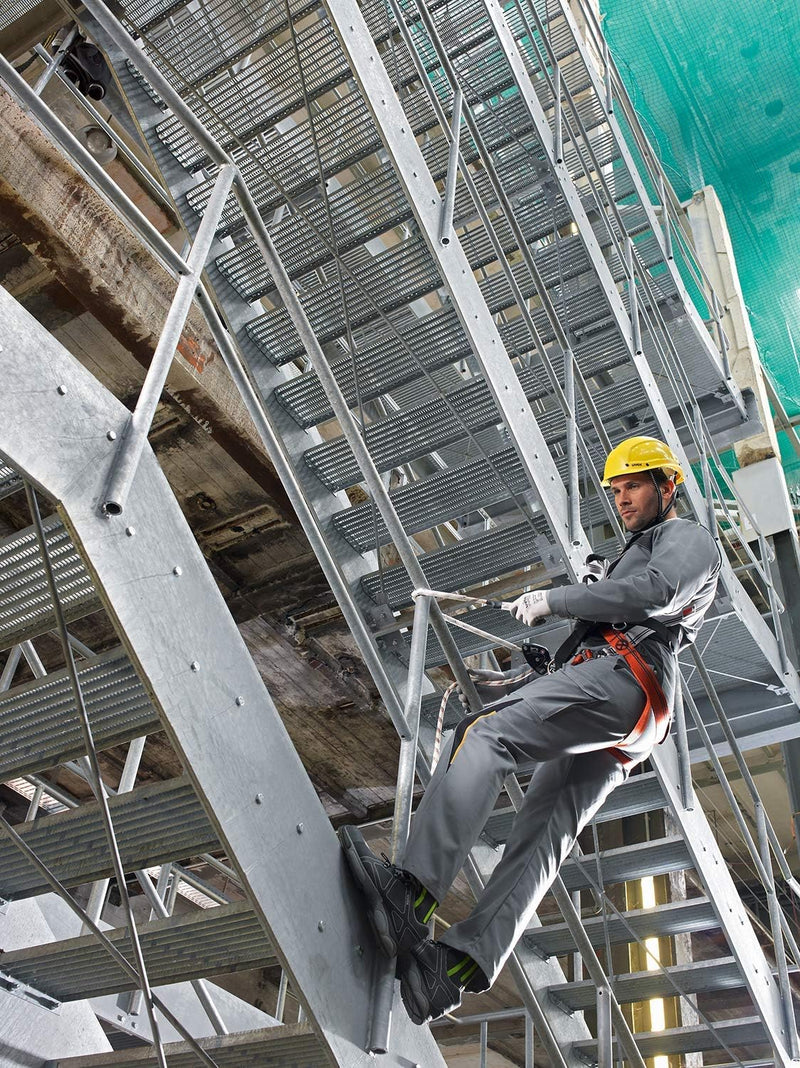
<point>203,681</point>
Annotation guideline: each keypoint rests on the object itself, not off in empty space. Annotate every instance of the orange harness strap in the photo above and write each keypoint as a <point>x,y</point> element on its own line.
<point>655,699</point>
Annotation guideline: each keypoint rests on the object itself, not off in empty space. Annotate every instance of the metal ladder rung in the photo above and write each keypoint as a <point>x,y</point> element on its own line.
<point>637,795</point>
<point>39,725</point>
<point>678,917</point>
<point>154,823</point>
<point>25,608</point>
<point>748,1031</point>
<point>699,977</point>
<point>273,1047</point>
<point>227,938</point>
<point>629,862</point>
<point>459,566</point>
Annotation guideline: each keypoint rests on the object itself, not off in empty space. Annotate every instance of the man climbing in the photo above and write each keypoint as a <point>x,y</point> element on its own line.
<point>579,729</point>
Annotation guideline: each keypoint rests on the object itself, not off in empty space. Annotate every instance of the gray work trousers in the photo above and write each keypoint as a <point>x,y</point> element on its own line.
<point>558,726</point>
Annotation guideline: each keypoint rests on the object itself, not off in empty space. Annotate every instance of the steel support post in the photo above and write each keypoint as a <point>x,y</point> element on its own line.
<point>403,803</point>
<point>605,1032</point>
<point>456,273</point>
<point>777,933</point>
<point>484,1042</point>
<point>202,680</point>
<point>135,434</point>
<point>446,225</point>
<point>95,778</point>
<point>721,891</point>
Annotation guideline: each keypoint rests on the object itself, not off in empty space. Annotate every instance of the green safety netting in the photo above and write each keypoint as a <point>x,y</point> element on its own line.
<point>717,89</point>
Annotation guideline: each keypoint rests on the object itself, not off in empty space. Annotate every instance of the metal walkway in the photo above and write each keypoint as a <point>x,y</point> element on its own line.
<point>439,237</point>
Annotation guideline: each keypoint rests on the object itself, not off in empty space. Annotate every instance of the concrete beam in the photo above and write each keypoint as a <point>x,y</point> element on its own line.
<point>47,203</point>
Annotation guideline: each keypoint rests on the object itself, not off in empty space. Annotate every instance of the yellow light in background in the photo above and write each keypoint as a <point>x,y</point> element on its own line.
<point>656,1005</point>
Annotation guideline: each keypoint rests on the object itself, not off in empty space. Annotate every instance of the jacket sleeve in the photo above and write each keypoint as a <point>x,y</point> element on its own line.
<point>683,560</point>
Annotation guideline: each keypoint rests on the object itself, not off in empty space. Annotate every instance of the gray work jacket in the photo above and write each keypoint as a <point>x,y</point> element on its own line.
<point>668,573</point>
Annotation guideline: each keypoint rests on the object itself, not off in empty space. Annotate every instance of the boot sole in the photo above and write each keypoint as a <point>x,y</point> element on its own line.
<point>412,994</point>
<point>376,913</point>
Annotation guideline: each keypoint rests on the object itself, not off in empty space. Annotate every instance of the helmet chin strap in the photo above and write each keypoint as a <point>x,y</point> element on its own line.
<point>663,509</point>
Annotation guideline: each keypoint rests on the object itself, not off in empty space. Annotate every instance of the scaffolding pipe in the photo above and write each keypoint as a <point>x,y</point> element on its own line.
<point>129,451</point>
<point>449,200</point>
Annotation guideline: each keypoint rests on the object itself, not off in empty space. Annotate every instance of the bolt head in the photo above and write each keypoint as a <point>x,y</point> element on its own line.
<point>259,799</point>
<point>195,665</point>
<point>177,570</point>
<point>61,390</point>
<point>130,531</point>
<point>321,925</point>
<point>300,828</point>
<point>239,701</point>
<point>111,435</point>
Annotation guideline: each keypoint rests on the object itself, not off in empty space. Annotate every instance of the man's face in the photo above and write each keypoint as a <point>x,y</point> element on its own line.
<point>637,500</point>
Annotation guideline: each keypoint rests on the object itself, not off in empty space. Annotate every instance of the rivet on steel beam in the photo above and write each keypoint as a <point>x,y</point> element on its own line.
<point>195,665</point>
<point>177,570</point>
<point>259,798</point>
<point>300,828</point>
<point>130,531</point>
<point>61,390</point>
<point>240,701</point>
<point>321,925</point>
<point>111,435</point>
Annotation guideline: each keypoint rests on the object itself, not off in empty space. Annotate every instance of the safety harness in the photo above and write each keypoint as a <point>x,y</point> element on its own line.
<point>619,643</point>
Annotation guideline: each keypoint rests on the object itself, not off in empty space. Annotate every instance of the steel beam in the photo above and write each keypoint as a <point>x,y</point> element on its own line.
<point>205,686</point>
<point>721,891</point>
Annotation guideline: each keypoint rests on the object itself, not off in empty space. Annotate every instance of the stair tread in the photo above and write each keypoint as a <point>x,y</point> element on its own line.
<point>25,607</point>
<point>747,1031</point>
<point>271,1047</point>
<point>697,977</point>
<point>226,938</point>
<point>154,823</point>
<point>695,914</point>
<point>39,724</point>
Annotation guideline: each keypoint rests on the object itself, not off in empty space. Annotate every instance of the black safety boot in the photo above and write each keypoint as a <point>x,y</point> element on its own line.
<point>397,903</point>
<point>432,979</point>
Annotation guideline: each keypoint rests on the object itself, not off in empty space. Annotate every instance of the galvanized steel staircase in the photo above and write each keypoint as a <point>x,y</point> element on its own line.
<point>346,195</point>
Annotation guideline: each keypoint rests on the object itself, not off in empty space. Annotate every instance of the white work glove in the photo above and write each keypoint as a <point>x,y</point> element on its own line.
<point>501,683</point>
<point>531,607</point>
<point>596,569</point>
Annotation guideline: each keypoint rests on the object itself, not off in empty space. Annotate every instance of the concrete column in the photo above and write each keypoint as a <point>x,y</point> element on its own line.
<point>715,252</point>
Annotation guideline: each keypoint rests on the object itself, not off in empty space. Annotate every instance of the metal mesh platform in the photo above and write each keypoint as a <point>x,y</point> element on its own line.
<point>25,608</point>
<point>228,938</point>
<point>39,723</point>
<point>155,823</point>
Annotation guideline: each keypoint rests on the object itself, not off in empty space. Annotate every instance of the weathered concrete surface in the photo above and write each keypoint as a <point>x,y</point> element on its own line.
<point>46,202</point>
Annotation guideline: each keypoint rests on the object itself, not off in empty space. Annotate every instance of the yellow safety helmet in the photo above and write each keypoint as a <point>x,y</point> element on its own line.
<point>641,454</point>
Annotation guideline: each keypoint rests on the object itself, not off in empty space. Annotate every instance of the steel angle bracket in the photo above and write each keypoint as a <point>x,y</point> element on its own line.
<point>210,698</point>
<point>721,892</point>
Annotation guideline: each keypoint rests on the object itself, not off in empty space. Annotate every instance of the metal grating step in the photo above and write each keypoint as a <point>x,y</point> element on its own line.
<point>153,823</point>
<point>273,1047</point>
<point>699,977</point>
<point>415,432</point>
<point>639,794</point>
<point>25,607</point>
<point>228,938</point>
<point>656,857</point>
<point>386,361</point>
<point>748,1031</point>
<point>39,725</point>
<point>697,914</point>
<point>457,566</point>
